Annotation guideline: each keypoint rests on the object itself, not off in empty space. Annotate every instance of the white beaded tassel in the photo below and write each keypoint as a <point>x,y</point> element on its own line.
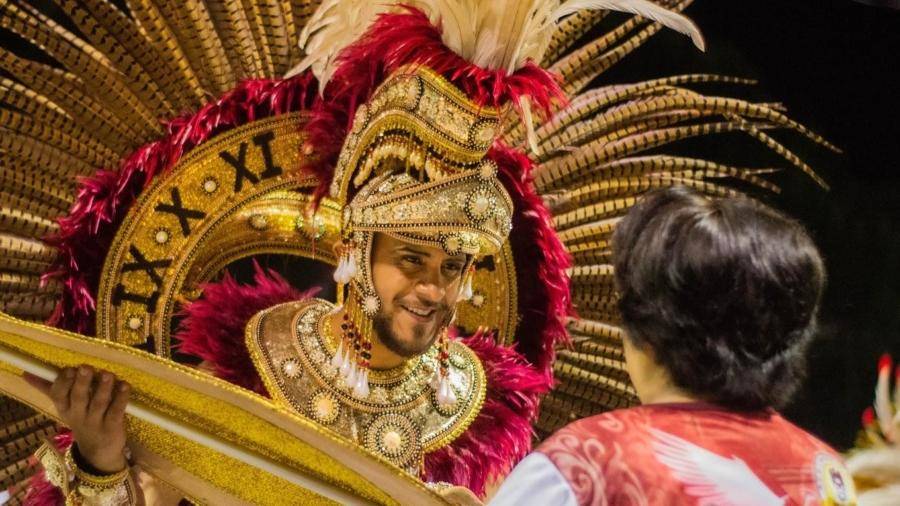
<point>352,375</point>
<point>347,267</point>
<point>445,394</point>
<point>361,389</point>
<point>466,292</point>
<point>337,361</point>
<point>435,382</point>
<point>346,366</point>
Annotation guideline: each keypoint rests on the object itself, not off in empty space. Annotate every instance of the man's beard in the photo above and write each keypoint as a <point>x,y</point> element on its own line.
<point>384,331</point>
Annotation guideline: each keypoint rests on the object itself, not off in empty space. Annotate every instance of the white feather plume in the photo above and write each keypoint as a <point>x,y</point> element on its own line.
<point>876,465</point>
<point>883,496</point>
<point>335,25</point>
<point>643,8</point>
<point>711,477</point>
<point>494,34</point>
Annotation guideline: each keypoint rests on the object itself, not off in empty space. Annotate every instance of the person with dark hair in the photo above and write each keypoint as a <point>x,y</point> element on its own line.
<point>718,299</point>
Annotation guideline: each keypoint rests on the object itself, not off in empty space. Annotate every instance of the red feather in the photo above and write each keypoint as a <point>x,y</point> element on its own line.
<point>501,434</point>
<point>213,326</point>
<point>407,38</point>
<point>541,264</point>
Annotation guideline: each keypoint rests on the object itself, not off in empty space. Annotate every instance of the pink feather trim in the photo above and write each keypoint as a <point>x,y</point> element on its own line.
<point>213,326</point>
<point>541,264</point>
<point>405,38</point>
<point>501,434</point>
<point>103,200</point>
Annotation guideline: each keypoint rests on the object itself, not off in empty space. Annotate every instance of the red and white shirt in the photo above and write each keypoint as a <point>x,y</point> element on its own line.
<point>680,454</point>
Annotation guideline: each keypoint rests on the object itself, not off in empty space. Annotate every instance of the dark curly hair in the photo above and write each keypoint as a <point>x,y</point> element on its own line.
<point>724,292</point>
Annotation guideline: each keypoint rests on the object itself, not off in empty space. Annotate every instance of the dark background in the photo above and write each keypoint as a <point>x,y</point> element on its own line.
<point>834,65</point>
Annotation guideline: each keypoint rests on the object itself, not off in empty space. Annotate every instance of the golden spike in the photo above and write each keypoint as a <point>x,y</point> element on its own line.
<point>257,29</point>
<point>615,187</point>
<point>27,100</point>
<point>214,61</point>
<point>579,382</point>
<point>636,166</point>
<point>608,311</point>
<point>559,409</point>
<point>37,306</point>
<point>577,78</point>
<point>607,188</point>
<point>585,106</point>
<point>571,63</point>
<point>23,223</point>
<point>593,64</point>
<point>602,346</point>
<point>137,78</point>
<point>157,32</point>
<point>687,99</point>
<point>568,31</point>
<point>782,151</point>
<point>583,76</point>
<point>67,91</point>
<point>575,60</point>
<point>594,212</point>
<point>25,248</point>
<point>21,176</point>
<point>190,25</point>
<point>230,22</point>
<point>271,20</point>
<point>589,232</point>
<point>590,101</point>
<point>106,82</point>
<point>587,253</point>
<point>617,207</point>
<point>73,140</point>
<point>594,363</point>
<point>589,275</point>
<point>51,159</point>
<point>550,174</point>
<point>13,200</point>
<point>300,12</point>
<point>20,265</point>
<point>159,67</point>
<point>593,130</point>
<point>42,110</point>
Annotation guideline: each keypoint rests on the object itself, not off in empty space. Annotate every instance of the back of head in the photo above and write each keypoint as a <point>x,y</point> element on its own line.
<point>723,292</point>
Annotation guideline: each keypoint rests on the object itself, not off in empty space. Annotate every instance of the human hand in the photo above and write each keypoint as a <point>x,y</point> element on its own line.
<point>92,404</point>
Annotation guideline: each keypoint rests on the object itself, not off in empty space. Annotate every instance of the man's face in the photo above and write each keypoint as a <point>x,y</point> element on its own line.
<point>418,287</point>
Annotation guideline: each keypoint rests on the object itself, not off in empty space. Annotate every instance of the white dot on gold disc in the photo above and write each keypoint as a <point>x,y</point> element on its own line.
<point>477,300</point>
<point>371,304</point>
<point>210,185</point>
<point>135,322</point>
<point>290,369</point>
<point>392,440</point>
<point>324,407</point>
<point>258,221</point>
<point>162,236</point>
<point>481,205</point>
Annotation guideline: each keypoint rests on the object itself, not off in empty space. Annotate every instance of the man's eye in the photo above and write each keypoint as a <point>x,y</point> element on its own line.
<point>453,268</point>
<point>414,260</point>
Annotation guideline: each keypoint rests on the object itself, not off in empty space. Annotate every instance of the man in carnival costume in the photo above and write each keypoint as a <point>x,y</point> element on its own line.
<point>401,149</point>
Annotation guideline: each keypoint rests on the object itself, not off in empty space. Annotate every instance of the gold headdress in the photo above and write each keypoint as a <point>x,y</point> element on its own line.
<point>416,159</point>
